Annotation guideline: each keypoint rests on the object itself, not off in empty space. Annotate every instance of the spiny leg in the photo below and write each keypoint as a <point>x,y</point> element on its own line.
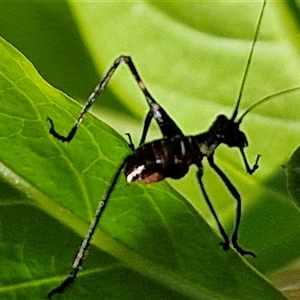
<point>166,124</point>
<point>236,195</point>
<point>248,168</point>
<point>225,244</point>
<point>81,254</point>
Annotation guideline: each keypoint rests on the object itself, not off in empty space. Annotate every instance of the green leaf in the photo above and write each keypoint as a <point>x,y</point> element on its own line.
<point>192,58</point>
<point>292,169</point>
<point>152,243</point>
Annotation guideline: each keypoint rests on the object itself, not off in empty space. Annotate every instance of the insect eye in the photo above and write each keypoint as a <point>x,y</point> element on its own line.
<point>238,139</point>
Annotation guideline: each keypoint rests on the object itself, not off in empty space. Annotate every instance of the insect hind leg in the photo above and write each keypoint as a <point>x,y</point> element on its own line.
<point>82,251</point>
<point>167,126</point>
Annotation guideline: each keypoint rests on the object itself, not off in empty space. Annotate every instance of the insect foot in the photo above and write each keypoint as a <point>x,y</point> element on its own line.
<point>242,251</point>
<point>62,138</point>
<point>225,245</point>
<point>255,166</point>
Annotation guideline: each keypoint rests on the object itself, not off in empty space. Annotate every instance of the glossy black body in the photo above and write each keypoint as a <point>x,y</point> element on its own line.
<point>170,156</point>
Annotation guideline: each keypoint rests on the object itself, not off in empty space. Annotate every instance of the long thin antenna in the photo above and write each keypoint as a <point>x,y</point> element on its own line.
<point>266,99</point>
<point>248,63</point>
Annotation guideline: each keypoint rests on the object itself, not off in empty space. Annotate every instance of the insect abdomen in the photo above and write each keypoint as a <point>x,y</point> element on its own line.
<point>152,162</point>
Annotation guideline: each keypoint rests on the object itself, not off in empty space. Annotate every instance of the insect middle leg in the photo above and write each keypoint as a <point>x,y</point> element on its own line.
<point>167,126</point>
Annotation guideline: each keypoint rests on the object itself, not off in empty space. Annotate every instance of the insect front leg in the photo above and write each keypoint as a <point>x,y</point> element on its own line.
<point>248,168</point>
<point>237,196</point>
<point>225,244</point>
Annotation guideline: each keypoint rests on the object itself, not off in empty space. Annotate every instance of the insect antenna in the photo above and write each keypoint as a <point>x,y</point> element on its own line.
<point>235,112</point>
<point>264,100</point>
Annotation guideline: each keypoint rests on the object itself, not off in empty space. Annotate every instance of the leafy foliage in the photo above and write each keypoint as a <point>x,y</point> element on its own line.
<point>152,243</point>
<point>293,179</point>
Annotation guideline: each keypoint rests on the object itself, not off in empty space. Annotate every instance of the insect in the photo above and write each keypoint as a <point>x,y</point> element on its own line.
<point>172,155</point>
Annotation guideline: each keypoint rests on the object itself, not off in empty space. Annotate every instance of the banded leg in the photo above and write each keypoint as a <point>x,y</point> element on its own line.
<point>237,196</point>
<point>167,126</point>
<point>81,254</point>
